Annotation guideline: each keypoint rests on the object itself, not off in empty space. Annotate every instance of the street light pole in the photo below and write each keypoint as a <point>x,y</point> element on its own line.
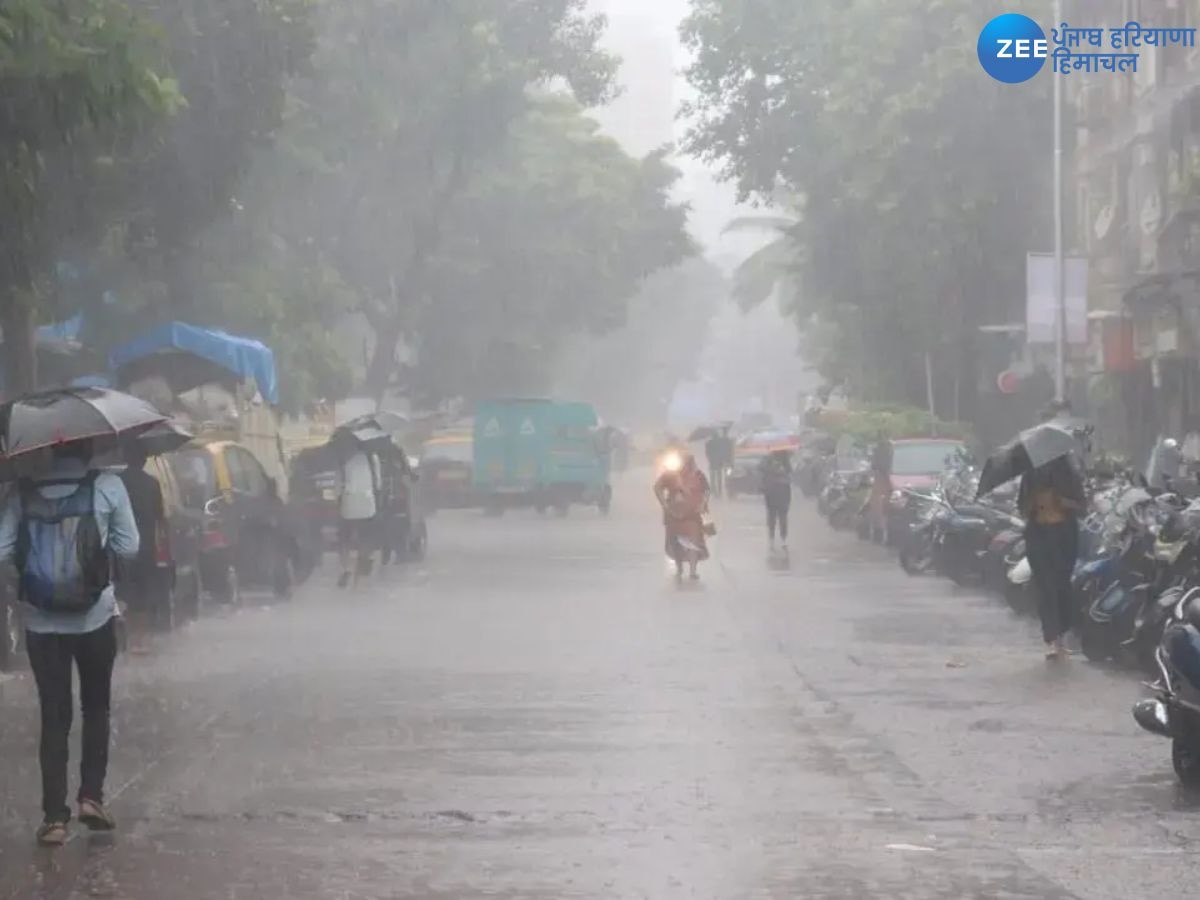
<point>1060,292</point>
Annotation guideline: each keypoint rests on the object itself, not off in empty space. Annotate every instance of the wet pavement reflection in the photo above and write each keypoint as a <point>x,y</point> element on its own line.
<point>540,711</point>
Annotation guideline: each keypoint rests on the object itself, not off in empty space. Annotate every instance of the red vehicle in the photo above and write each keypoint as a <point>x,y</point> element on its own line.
<point>917,464</point>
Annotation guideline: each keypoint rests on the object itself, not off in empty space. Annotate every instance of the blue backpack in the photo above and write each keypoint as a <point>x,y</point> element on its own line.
<point>60,558</point>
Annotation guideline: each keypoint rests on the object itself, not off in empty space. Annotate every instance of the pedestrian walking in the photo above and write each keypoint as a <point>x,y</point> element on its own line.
<point>776,474</point>
<point>138,587</point>
<point>359,486</point>
<point>881,487</point>
<point>62,532</point>
<point>1051,498</point>
<point>716,453</point>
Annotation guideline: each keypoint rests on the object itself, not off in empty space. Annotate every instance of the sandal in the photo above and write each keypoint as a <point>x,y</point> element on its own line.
<point>95,816</point>
<point>52,834</point>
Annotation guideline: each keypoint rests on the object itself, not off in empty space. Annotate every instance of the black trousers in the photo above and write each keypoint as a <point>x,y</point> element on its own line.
<point>716,479</point>
<point>779,502</point>
<point>1052,550</point>
<point>51,656</point>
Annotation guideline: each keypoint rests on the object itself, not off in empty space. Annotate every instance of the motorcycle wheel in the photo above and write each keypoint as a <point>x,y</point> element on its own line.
<point>1185,759</point>
<point>915,560</point>
<point>1018,597</point>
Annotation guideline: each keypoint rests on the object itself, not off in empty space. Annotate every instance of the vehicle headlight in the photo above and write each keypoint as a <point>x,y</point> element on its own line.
<point>898,498</point>
<point>672,461</point>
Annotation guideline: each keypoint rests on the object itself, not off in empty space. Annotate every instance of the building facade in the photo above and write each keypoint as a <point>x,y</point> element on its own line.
<point>1135,193</point>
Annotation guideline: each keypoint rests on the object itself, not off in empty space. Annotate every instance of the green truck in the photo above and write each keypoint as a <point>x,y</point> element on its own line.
<point>539,453</point>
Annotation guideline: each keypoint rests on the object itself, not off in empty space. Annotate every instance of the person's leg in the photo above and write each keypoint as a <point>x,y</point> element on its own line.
<point>1040,551</point>
<point>772,518</point>
<point>95,654</point>
<point>785,507</point>
<point>50,661</point>
<point>1067,541</point>
<point>345,550</point>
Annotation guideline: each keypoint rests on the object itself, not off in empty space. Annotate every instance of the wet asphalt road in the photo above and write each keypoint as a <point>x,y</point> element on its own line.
<point>539,712</point>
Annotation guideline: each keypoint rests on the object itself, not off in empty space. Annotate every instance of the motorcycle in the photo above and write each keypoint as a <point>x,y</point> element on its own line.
<point>845,496</point>
<point>1174,709</point>
<point>953,539</point>
<point>1120,623</point>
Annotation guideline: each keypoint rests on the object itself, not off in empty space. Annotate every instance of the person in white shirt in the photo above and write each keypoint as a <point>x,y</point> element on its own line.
<point>358,489</point>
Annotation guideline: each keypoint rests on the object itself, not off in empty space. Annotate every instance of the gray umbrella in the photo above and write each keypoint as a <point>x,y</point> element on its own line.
<point>50,418</point>
<point>1031,449</point>
<point>1047,442</point>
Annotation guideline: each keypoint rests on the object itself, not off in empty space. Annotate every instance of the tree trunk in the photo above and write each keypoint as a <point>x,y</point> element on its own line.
<point>20,355</point>
<point>383,357</point>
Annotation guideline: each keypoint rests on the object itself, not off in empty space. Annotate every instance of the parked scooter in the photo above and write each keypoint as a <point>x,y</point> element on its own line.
<point>1174,709</point>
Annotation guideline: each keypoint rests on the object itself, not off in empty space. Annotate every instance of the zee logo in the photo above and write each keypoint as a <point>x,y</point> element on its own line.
<point>1022,49</point>
<point>1012,48</point>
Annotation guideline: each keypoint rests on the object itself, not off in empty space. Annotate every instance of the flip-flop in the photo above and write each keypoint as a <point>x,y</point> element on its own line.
<point>95,816</point>
<point>52,834</point>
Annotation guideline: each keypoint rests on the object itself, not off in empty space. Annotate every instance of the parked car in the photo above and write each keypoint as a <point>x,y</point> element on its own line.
<point>445,465</point>
<point>917,468</point>
<point>312,495</point>
<point>249,539</point>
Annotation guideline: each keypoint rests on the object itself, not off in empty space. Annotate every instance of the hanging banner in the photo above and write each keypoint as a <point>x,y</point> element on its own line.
<point>1041,307</point>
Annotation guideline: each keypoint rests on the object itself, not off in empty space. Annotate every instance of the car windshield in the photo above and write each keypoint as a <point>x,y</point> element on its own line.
<point>448,451</point>
<point>918,458</point>
<point>197,480</point>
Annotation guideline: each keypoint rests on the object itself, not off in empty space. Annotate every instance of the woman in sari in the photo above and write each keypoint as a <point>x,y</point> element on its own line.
<point>683,495</point>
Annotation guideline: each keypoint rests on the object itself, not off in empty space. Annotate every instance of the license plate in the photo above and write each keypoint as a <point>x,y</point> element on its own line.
<point>329,494</point>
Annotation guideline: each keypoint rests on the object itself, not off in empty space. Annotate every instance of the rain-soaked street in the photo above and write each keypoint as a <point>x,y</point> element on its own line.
<point>538,711</point>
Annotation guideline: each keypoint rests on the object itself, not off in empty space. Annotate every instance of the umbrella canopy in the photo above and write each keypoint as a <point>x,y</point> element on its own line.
<point>1032,449</point>
<point>47,419</point>
<point>165,437</point>
<point>363,429</point>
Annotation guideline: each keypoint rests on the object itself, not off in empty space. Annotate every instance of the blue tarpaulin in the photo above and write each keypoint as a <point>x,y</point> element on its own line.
<point>244,357</point>
<point>61,332</point>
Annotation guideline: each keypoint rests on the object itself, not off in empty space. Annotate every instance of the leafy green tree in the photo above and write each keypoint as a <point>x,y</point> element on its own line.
<point>407,101</point>
<point>74,75</point>
<point>923,181</point>
<point>549,240</point>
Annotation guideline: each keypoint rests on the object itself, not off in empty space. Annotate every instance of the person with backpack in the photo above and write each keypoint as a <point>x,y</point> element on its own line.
<point>62,531</point>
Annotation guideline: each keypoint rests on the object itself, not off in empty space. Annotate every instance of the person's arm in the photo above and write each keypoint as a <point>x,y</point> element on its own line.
<point>123,538</point>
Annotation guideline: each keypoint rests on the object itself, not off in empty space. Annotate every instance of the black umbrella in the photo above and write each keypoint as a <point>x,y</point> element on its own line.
<point>704,432</point>
<point>364,430</point>
<point>50,418</point>
<point>165,437</point>
<point>1031,449</point>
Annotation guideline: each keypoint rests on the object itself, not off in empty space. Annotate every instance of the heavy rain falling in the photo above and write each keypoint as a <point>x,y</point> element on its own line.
<point>599,449</point>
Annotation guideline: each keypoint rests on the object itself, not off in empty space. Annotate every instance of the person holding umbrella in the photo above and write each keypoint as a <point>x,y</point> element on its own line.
<point>136,582</point>
<point>359,490</point>
<point>61,528</point>
<point>1051,500</point>
<point>776,470</point>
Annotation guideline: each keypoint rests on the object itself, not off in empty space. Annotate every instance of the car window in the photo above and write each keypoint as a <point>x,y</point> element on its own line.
<point>250,477</point>
<point>916,458</point>
<point>197,478</point>
<point>448,451</point>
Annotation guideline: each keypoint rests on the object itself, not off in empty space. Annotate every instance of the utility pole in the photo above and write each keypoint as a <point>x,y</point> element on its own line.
<point>1060,292</point>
